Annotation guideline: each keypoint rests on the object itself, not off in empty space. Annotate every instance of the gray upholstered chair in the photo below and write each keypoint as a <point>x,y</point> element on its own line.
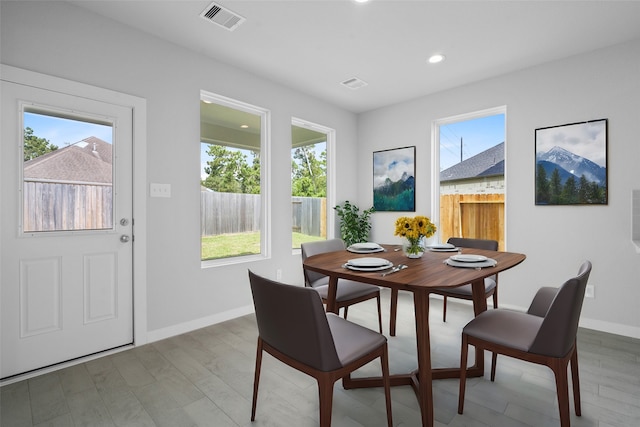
<point>294,328</point>
<point>545,335</point>
<point>464,292</point>
<point>349,292</point>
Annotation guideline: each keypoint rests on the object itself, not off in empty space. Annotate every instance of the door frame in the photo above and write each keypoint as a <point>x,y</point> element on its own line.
<point>139,146</point>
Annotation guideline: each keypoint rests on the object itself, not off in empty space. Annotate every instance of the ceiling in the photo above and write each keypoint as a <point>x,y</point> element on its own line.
<point>313,46</point>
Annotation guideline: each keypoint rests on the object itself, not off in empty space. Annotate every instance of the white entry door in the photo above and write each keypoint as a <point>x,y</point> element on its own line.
<point>66,218</point>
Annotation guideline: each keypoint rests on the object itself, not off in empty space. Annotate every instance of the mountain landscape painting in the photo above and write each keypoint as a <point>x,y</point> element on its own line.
<point>571,164</point>
<point>394,180</point>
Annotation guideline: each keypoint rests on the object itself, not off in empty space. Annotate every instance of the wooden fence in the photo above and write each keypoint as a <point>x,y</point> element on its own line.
<point>477,216</point>
<point>64,207</point>
<point>237,213</point>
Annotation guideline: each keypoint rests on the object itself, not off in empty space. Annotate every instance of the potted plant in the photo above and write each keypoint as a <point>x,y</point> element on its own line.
<point>354,226</point>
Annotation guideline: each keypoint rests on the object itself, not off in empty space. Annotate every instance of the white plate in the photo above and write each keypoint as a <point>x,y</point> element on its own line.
<point>489,262</point>
<point>366,245</point>
<point>468,258</point>
<point>454,249</point>
<point>369,248</point>
<point>442,246</point>
<point>379,268</point>
<point>368,262</point>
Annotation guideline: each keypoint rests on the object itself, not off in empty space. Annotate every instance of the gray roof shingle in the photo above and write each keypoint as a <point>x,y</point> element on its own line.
<point>487,163</point>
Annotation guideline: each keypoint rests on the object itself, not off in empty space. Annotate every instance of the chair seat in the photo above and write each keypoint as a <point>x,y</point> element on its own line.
<point>505,327</point>
<point>347,289</point>
<point>351,340</point>
<point>465,290</point>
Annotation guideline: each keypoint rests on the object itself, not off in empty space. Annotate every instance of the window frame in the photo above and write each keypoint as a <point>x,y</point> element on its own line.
<point>330,171</point>
<point>435,160</point>
<point>265,176</point>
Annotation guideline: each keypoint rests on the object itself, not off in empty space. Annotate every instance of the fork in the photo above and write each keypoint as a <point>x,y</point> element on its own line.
<point>395,269</point>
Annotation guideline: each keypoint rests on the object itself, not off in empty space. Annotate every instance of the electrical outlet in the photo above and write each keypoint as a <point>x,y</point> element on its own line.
<point>590,292</point>
<point>278,274</point>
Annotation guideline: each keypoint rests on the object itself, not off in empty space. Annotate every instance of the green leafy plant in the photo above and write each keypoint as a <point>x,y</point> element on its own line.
<point>354,226</point>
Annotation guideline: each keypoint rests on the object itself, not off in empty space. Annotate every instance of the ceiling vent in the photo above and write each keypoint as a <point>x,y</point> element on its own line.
<point>222,16</point>
<point>354,83</point>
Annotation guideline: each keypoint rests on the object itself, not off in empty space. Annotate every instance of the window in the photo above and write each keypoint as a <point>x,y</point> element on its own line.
<point>309,181</point>
<point>67,171</point>
<point>469,179</point>
<point>233,180</point>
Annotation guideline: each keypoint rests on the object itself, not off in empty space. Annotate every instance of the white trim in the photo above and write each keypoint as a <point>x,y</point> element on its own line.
<point>192,325</point>
<point>139,108</point>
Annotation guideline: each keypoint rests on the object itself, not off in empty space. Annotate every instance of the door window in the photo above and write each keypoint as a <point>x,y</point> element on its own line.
<point>67,171</point>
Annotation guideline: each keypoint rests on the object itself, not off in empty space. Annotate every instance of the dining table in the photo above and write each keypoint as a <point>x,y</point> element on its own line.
<point>420,277</point>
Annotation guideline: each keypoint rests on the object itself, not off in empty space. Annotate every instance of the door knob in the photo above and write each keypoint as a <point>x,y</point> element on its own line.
<point>124,238</point>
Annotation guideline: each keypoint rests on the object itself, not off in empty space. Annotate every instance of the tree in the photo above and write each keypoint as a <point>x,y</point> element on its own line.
<point>308,173</point>
<point>570,191</point>
<point>229,172</point>
<point>555,187</point>
<point>542,186</point>
<point>35,146</point>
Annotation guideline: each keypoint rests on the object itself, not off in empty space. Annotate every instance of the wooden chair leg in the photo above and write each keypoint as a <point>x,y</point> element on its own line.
<point>379,313</point>
<point>495,297</point>
<point>325,392</point>
<point>494,362</point>
<point>444,309</point>
<point>575,379</point>
<point>346,308</point>
<point>562,388</point>
<point>256,379</point>
<point>463,372</point>
<point>386,383</point>
<point>393,312</point>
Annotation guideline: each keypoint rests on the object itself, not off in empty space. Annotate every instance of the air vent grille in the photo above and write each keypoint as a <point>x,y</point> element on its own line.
<point>222,16</point>
<point>354,83</point>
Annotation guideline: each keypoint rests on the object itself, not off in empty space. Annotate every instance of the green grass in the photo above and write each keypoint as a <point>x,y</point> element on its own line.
<point>239,244</point>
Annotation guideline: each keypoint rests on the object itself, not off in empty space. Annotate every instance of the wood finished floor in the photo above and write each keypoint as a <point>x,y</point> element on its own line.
<point>204,378</point>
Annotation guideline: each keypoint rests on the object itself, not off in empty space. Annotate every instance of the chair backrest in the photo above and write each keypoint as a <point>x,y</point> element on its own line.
<point>292,320</point>
<point>462,242</point>
<point>319,247</point>
<point>491,245</point>
<point>558,331</point>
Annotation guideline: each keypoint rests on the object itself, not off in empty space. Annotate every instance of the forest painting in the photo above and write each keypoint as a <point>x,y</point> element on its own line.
<point>394,179</point>
<point>571,164</point>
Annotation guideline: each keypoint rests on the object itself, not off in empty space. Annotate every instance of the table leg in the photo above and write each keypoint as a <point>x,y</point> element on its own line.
<point>479,305</point>
<point>332,307</point>
<point>393,312</point>
<point>425,390</point>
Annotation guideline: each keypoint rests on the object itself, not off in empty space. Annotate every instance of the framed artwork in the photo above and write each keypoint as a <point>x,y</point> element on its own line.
<point>394,184</point>
<point>571,164</point>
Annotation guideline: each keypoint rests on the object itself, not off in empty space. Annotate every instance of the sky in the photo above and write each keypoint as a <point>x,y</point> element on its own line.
<point>63,132</point>
<point>588,140</point>
<point>477,136</point>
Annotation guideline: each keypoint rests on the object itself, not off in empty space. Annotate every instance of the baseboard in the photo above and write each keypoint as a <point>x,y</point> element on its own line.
<point>182,328</point>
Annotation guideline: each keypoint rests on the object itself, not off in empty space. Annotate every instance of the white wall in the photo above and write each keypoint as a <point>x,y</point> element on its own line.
<point>556,239</point>
<point>69,42</point>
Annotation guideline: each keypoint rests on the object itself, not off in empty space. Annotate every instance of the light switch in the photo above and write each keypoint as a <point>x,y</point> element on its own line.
<point>160,190</point>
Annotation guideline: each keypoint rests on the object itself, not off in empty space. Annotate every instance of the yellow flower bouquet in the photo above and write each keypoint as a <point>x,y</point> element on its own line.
<point>415,230</point>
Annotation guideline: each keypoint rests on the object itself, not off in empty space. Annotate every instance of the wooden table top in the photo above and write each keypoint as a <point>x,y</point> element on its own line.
<point>430,271</point>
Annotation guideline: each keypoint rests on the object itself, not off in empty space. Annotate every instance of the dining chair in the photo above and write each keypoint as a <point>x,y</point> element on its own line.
<point>545,335</point>
<point>294,328</point>
<point>349,292</point>
<point>465,292</point>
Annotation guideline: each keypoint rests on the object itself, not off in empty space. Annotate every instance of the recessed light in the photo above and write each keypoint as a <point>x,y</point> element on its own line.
<point>361,1</point>
<point>434,59</point>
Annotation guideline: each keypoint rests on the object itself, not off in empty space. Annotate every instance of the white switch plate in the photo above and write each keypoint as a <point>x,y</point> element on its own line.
<point>160,190</point>
<point>590,292</point>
